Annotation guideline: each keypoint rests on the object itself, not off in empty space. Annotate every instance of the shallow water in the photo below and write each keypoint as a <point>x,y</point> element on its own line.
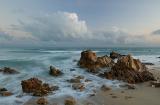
<point>36,62</point>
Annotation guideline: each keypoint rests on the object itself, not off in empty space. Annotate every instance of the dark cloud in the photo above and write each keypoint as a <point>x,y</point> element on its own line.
<point>156,32</point>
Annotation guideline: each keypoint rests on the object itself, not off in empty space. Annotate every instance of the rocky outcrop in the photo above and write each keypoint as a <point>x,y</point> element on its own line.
<point>54,71</point>
<point>90,61</point>
<point>129,70</point>
<point>7,70</point>
<point>115,55</point>
<point>36,87</point>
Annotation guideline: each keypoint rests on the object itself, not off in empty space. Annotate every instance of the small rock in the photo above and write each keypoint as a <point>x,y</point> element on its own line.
<point>128,97</point>
<point>88,80</point>
<point>70,101</point>
<point>42,101</point>
<point>155,84</point>
<point>105,88</point>
<point>3,89</point>
<point>54,71</point>
<point>7,70</point>
<point>131,86</point>
<point>74,80</point>
<point>6,93</point>
<point>72,69</point>
<point>114,97</point>
<point>78,86</point>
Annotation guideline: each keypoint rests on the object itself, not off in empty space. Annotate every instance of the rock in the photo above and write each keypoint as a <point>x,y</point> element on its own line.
<point>74,80</point>
<point>72,69</point>
<point>7,70</point>
<point>155,84</point>
<point>3,89</point>
<point>130,86</point>
<point>90,61</point>
<point>129,70</point>
<point>42,101</point>
<point>36,87</point>
<point>105,88</point>
<point>6,93</point>
<point>115,55</point>
<point>54,71</point>
<point>147,63</point>
<point>70,101</point>
<point>78,86</point>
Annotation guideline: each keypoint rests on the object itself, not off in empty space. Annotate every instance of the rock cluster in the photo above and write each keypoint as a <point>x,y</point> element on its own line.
<point>7,70</point>
<point>129,70</point>
<point>36,87</point>
<point>90,61</point>
<point>54,71</point>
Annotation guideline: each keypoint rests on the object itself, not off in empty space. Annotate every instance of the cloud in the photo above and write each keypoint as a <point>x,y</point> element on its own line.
<point>156,32</point>
<point>4,36</point>
<point>66,29</point>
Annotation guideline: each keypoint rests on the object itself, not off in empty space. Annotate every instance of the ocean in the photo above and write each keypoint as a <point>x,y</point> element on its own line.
<point>36,62</point>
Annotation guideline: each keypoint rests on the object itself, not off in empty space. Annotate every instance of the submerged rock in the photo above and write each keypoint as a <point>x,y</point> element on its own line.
<point>129,70</point>
<point>78,86</point>
<point>8,70</point>
<point>6,93</point>
<point>90,61</point>
<point>54,71</point>
<point>147,63</point>
<point>36,87</point>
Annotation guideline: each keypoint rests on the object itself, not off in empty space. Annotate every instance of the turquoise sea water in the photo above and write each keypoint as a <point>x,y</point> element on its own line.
<point>36,62</point>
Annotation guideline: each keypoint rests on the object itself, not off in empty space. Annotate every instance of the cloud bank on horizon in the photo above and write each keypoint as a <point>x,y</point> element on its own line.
<point>59,28</point>
<point>66,29</point>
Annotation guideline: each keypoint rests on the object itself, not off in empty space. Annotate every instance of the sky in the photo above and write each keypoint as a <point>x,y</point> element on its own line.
<point>79,23</point>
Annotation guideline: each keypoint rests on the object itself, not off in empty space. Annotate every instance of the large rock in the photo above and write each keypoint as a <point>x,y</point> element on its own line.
<point>42,101</point>
<point>70,101</point>
<point>36,87</point>
<point>129,70</point>
<point>90,61</point>
<point>54,71</point>
<point>7,70</point>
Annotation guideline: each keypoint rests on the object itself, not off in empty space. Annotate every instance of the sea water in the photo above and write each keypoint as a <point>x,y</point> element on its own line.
<point>36,62</point>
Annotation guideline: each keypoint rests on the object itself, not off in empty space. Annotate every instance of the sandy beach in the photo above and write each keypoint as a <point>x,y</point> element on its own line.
<point>143,94</point>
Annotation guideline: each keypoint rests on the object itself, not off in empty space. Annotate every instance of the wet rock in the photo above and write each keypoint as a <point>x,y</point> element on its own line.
<point>129,70</point>
<point>7,70</point>
<point>88,80</point>
<point>54,71</point>
<point>90,61</point>
<point>72,69</point>
<point>3,89</point>
<point>70,101</point>
<point>42,101</point>
<point>36,87</point>
<point>6,93</point>
<point>78,86</point>
<point>105,88</point>
<point>155,84</point>
<point>147,63</point>
<point>74,80</point>
<point>115,55</point>
<point>131,86</point>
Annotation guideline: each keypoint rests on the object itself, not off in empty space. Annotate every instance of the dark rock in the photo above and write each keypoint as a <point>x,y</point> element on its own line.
<point>90,61</point>
<point>115,55</point>
<point>7,70</point>
<point>42,101</point>
<point>129,70</point>
<point>130,86</point>
<point>3,89</point>
<point>147,63</point>
<point>36,87</point>
<point>72,69</point>
<point>74,80</point>
<point>54,71</point>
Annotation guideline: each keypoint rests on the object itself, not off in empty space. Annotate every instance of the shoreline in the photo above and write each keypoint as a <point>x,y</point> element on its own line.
<point>142,95</point>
